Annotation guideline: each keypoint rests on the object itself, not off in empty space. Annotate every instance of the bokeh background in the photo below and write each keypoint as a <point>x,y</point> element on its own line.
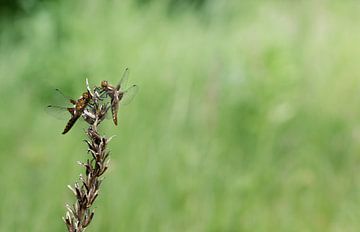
<point>247,118</point>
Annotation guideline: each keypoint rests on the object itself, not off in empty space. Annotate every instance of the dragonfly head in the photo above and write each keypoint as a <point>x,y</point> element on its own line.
<point>104,84</point>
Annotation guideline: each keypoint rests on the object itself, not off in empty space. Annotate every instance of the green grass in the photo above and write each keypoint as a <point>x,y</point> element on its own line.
<point>247,117</point>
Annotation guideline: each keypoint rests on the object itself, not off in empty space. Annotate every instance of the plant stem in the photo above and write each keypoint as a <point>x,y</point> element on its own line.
<point>79,215</point>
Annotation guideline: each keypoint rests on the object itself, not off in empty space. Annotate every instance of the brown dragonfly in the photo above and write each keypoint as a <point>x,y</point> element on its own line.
<point>119,94</point>
<point>75,111</point>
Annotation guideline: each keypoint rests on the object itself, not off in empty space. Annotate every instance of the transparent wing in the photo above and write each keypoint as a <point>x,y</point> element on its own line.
<point>129,94</point>
<point>65,97</point>
<point>123,81</point>
<point>58,112</point>
<point>108,116</point>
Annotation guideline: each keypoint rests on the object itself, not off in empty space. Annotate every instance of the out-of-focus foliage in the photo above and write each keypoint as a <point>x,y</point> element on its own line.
<point>9,8</point>
<point>176,5</point>
<point>247,117</point>
<point>13,8</point>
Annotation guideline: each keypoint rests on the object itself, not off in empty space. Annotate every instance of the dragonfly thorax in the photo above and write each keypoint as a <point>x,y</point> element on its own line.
<point>86,95</point>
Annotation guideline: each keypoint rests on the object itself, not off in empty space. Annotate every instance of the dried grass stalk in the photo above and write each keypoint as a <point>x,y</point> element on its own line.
<point>79,214</point>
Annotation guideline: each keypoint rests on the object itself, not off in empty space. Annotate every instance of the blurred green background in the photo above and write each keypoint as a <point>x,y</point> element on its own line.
<point>247,118</point>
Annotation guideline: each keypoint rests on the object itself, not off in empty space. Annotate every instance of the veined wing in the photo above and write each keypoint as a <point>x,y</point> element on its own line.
<point>65,97</point>
<point>58,112</point>
<point>59,105</point>
<point>123,81</point>
<point>129,94</point>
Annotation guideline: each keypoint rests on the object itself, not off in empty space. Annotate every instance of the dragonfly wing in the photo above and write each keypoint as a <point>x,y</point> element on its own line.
<point>123,81</point>
<point>67,98</point>
<point>58,112</point>
<point>129,94</point>
<point>107,116</point>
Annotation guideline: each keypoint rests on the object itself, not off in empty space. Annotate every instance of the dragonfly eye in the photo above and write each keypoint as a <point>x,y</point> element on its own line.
<point>104,84</point>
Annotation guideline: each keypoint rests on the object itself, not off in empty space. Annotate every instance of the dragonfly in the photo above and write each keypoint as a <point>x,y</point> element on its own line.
<point>76,110</point>
<point>119,94</point>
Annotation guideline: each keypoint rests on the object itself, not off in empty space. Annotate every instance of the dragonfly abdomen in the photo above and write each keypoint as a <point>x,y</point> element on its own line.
<point>70,123</point>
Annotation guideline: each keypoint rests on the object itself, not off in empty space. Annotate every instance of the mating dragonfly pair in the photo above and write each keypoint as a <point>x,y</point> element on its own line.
<point>84,105</point>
